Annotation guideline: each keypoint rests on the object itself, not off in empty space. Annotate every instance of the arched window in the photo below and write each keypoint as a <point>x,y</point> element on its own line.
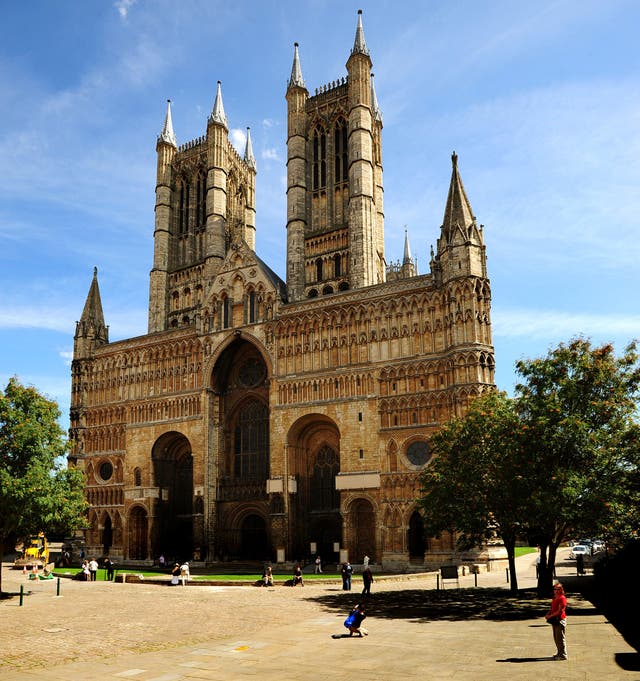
<point>253,307</point>
<point>340,147</point>
<point>319,269</point>
<point>319,172</point>
<point>201,201</point>
<point>337,266</point>
<point>137,477</point>
<point>183,208</point>
<point>251,442</point>
<point>226,313</point>
<point>324,496</point>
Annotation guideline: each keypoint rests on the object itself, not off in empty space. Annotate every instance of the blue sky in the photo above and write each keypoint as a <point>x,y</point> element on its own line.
<point>541,101</point>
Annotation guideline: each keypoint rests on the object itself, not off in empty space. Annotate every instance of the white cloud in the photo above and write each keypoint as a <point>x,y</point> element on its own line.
<point>270,154</point>
<point>123,7</point>
<point>548,324</point>
<point>238,139</point>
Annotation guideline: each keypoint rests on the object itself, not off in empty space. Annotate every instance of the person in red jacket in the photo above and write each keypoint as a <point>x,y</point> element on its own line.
<point>557,618</point>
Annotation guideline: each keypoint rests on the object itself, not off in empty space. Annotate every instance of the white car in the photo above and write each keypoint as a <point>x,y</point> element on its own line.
<point>579,550</point>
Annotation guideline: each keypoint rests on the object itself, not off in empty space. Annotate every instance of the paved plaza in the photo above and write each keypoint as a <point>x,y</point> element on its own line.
<point>149,632</point>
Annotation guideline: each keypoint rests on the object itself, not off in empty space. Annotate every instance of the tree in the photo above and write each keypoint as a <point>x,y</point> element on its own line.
<point>37,494</point>
<point>562,457</point>
<point>475,484</point>
<point>578,406</point>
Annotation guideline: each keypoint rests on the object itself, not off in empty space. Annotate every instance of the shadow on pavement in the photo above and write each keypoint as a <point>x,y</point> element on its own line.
<point>527,659</point>
<point>424,605</point>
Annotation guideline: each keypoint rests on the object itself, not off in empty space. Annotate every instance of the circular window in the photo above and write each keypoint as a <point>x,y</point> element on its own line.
<point>106,470</point>
<point>418,453</point>
<point>251,373</point>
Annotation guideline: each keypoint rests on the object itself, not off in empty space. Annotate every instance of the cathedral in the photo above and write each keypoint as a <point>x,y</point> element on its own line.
<point>269,419</point>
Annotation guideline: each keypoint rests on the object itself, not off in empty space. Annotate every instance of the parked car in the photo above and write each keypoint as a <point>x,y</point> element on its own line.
<point>579,550</point>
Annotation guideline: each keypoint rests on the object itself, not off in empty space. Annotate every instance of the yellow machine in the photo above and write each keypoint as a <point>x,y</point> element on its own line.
<point>35,553</point>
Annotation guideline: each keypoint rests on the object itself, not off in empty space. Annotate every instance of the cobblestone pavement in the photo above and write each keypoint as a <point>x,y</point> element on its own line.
<point>148,632</point>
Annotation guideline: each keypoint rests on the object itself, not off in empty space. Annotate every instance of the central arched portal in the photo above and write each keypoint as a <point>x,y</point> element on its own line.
<point>240,389</point>
<point>314,460</point>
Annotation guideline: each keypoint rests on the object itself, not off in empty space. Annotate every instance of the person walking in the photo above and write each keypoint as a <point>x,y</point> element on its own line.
<point>185,575</point>
<point>557,618</point>
<point>367,578</point>
<point>318,567</point>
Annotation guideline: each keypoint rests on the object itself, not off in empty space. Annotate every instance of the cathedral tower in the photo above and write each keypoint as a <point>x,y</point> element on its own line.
<point>205,201</point>
<point>335,214</point>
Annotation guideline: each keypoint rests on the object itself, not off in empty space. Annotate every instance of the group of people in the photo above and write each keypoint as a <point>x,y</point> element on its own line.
<point>180,574</point>
<point>89,569</point>
<point>346,572</point>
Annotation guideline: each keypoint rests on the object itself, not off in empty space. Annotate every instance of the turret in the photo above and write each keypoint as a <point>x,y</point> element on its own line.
<point>297,96</point>
<point>91,331</point>
<point>461,249</point>
<point>366,266</point>
<point>166,148</point>
<point>217,165</point>
<point>250,207</point>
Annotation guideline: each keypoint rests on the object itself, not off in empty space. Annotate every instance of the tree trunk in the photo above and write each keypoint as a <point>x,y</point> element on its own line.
<point>545,571</point>
<point>510,545</point>
<point>1,557</point>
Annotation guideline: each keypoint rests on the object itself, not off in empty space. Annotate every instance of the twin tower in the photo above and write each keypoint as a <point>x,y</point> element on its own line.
<point>205,197</point>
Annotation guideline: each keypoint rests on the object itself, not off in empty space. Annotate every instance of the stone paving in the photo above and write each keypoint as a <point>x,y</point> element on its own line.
<point>147,632</point>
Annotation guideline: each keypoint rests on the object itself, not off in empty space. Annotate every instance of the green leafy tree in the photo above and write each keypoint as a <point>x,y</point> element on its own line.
<point>37,493</point>
<point>579,408</point>
<point>475,484</point>
<point>559,459</point>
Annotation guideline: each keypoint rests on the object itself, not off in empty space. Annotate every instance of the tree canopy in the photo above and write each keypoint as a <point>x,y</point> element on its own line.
<point>561,457</point>
<point>37,492</point>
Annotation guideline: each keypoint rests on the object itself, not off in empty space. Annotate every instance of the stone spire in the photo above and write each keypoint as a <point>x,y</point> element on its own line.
<point>359,44</point>
<point>457,213</point>
<point>167,134</point>
<point>377,114</point>
<point>218,115</point>
<point>296,79</point>
<point>249,158</point>
<point>91,331</point>
<point>407,250</point>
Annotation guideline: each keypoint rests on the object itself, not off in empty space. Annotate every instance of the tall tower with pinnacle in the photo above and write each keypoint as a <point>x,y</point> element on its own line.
<point>205,201</point>
<point>335,212</point>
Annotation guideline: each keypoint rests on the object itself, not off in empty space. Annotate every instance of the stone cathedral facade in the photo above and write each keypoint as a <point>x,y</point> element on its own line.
<point>262,419</point>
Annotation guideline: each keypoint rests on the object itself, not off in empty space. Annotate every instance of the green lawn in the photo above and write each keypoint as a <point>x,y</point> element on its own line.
<point>102,575</point>
<point>523,550</point>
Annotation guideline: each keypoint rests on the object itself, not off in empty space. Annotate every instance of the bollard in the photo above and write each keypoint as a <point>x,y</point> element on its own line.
<point>475,578</point>
<point>507,571</point>
<point>21,593</point>
<point>58,587</point>
<point>437,582</point>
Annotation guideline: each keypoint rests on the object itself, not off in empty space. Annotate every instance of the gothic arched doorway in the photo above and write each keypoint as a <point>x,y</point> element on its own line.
<point>417,543</point>
<point>254,544</point>
<point>314,459</point>
<point>138,528</point>
<point>173,475</point>
<point>107,535</point>
<point>363,523</point>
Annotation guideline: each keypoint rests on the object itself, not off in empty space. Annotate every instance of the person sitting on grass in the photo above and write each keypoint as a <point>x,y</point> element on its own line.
<point>297,576</point>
